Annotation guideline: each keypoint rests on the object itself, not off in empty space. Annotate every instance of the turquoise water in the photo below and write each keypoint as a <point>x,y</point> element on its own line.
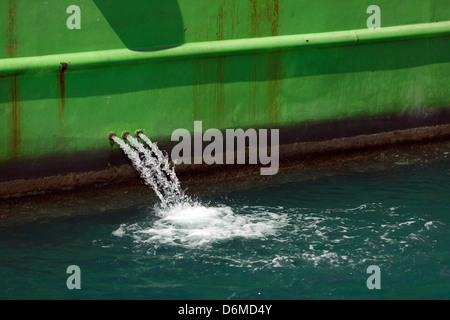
<point>290,239</point>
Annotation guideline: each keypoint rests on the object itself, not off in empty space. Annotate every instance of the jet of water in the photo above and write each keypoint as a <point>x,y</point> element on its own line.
<point>154,168</point>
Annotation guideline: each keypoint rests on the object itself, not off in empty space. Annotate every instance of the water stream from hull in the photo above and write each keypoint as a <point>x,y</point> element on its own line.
<point>181,221</point>
<point>154,168</point>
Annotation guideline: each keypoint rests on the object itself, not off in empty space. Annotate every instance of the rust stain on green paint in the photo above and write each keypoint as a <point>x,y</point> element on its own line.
<point>14,89</point>
<point>254,87</point>
<point>254,20</point>
<point>61,79</point>
<point>219,92</point>
<point>265,70</point>
<point>12,37</point>
<point>276,18</point>
<point>219,80</point>
<point>264,17</point>
<point>208,90</point>
<point>275,69</point>
<point>196,88</point>
<point>14,118</point>
<point>220,24</point>
<point>208,77</point>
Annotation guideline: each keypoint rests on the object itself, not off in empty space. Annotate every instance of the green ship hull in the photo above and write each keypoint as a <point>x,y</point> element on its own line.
<point>73,71</point>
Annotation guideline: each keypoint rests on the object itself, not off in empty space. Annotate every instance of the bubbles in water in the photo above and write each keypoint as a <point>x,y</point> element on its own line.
<point>431,225</point>
<point>182,221</point>
<point>325,257</point>
<point>375,232</point>
<point>120,231</point>
<point>193,225</point>
<point>281,238</point>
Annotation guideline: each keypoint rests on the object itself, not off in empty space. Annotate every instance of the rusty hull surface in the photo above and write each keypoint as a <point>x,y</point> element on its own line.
<point>291,154</point>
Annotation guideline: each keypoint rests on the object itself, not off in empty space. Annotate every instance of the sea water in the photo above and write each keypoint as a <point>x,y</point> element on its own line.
<point>286,239</point>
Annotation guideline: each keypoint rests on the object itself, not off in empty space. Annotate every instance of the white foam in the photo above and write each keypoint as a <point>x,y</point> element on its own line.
<point>330,258</point>
<point>193,225</point>
<point>119,232</point>
<point>281,262</point>
<point>430,225</point>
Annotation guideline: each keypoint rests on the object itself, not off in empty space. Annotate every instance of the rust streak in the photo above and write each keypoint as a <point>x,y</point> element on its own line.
<point>208,79</point>
<point>219,91</point>
<point>220,25</point>
<point>12,37</point>
<point>275,69</point>
<point>196,94</point>
<point>233,13</point>
<point>14,96</point>
<point>254,20</point>
<point>218,97</point>
<point>265,73</point>
<point>14,118</point>
<point>62,91</point>
<point>263,18</point>
<point>276,18</point>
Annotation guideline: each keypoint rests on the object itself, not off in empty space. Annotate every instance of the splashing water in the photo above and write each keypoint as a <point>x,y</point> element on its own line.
<point>183,221</point>
<point>155,169</point>
<point>192,225</point>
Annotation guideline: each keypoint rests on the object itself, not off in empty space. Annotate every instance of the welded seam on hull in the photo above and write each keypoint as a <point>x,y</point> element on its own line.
<point>199,50</point>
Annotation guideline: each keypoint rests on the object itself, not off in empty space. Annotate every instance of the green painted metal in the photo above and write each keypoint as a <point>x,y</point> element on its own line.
<point>160,65</point>
<point>203,50</point>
